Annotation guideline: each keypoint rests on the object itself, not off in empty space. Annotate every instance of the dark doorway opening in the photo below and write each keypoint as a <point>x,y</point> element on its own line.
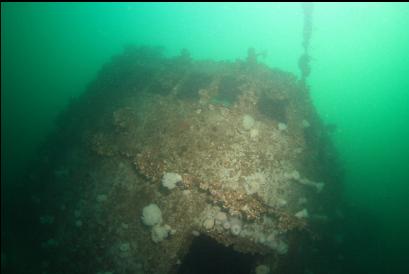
<point>208,256</point>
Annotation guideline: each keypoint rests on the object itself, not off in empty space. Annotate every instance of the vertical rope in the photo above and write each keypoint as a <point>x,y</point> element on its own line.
<point>304,60</point>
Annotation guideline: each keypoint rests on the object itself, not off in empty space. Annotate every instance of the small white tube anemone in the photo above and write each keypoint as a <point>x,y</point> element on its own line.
<point>302,214</point>
<point>170,179</point>
<point>235,226</point>
<point>151,215</point>
<point>254,182</point>
<point>248,122</point>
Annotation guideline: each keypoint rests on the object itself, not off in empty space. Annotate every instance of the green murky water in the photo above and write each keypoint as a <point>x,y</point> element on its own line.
<point>359,84</point>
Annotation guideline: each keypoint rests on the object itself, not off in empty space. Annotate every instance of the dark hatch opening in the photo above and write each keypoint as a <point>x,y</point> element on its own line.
<point>208,256</point>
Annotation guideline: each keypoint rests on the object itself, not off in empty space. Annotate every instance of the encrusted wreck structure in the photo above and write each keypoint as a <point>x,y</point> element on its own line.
<point>164,159</point>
